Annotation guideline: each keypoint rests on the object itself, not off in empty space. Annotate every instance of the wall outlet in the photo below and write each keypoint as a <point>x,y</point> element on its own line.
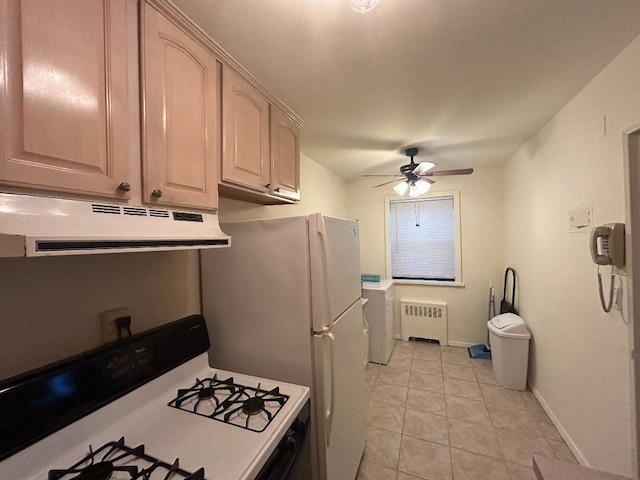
<point>109,328</point>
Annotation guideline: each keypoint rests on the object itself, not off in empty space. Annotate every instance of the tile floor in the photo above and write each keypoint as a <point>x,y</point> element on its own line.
<point>436,414</point>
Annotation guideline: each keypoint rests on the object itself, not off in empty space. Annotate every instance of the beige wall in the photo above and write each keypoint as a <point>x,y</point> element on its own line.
<point>580,355</point>
<point>321,191</point>
<point>482,248</point>
<point>50,307</point>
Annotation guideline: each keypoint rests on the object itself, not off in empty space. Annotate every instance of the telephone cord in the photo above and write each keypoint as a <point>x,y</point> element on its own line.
<point>606,308</point>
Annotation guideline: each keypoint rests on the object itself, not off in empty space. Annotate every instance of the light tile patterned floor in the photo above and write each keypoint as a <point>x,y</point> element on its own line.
<point>436,414</point>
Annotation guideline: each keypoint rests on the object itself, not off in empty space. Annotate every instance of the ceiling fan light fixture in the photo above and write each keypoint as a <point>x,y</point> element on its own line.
<point>363,6</point>
<point>423,167</point>
<point>414,190</point>
<point>401,188</point>
<point>423,186</point>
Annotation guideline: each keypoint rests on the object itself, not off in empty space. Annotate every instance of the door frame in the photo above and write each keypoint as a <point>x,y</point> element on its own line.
<point>631,142</point>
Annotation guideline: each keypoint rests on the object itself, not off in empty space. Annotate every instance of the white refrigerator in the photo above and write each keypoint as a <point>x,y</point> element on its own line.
<point>284,303</point>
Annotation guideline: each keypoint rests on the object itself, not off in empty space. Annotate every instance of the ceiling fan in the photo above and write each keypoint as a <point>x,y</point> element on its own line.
<point>414,175</point>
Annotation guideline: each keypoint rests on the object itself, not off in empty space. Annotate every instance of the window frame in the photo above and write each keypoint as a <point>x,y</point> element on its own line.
<point>458,282</point>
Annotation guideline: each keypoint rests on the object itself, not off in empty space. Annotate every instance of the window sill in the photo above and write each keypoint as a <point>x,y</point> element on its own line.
<point>430,283</point>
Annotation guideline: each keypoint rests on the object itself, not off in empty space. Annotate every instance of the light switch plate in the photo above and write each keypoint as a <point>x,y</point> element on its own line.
<point>580,219</point>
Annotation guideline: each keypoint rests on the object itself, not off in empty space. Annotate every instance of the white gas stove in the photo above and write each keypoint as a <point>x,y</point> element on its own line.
<point>188,422</point>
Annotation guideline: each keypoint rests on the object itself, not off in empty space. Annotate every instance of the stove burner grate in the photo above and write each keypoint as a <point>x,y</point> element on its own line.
<point>117,458</point>
<point>251,402</point>
<point>245,407</point>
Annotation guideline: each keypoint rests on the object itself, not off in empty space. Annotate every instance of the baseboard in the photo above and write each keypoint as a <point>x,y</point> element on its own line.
<point>451,343</point>
<point>563,433</point>
<point>460,344</point>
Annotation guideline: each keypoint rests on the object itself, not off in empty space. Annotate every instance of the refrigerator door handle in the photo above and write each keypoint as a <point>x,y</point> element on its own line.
<point>322,233</point>
<point>328,417</point>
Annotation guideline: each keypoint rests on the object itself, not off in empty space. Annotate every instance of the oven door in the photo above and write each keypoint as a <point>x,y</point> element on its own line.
<point>291,460</point>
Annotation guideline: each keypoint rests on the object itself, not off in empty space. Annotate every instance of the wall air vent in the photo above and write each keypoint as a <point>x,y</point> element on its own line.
<point>158,213</point>
<point>101,208</point>
<point>137,211</point>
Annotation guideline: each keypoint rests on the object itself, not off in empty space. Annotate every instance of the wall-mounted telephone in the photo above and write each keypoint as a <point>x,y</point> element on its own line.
<point>607,248</point>
<point>607,244</point>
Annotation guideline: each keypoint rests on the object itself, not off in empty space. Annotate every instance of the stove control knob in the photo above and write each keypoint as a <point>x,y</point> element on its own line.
<point>299,426</point>
<point>289,444</point>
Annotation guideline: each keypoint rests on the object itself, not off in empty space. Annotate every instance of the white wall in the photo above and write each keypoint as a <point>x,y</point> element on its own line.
<point>481,213</point>
<point>580,355</point>
<point>321,191</point>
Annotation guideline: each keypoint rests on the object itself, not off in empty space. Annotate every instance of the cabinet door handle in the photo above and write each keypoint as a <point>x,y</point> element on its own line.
<point>124,186</point>
<point>268,185</point>
<point>156,193</point>
<point>277,189</point>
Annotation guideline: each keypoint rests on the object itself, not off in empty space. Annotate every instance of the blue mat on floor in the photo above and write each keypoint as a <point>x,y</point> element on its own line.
<point>479,351</point>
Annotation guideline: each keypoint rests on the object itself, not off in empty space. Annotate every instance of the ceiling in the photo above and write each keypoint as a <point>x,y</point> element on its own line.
<point>467,81</point>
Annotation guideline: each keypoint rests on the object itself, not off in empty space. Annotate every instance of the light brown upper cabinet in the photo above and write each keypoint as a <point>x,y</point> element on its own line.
<point>179,128</point>
<point>64,112</point>
<point>285,155</point>
<point>245,134</point>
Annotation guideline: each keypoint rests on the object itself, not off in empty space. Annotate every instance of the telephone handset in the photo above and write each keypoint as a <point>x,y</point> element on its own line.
<point>607,244</point>
<point>607,248</point>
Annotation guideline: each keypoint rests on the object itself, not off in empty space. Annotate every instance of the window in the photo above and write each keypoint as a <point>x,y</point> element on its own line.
<point>424,238</point>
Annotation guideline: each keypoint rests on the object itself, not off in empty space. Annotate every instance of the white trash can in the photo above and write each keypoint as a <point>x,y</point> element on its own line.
<point>509,338</point>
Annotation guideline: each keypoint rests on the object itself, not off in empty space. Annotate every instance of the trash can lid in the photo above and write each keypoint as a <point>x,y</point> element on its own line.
<point>508,325</point>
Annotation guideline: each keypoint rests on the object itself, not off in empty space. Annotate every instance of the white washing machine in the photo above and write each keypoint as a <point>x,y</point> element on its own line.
<point>379,314</point>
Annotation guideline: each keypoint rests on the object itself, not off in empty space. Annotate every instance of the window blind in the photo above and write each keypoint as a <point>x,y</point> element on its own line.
<point>423,239</point>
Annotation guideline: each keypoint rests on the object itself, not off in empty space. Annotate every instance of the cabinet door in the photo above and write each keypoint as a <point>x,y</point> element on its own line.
<point>180,136</point>
<point>64,113</point>
<point>285,155</point>
<point>245,132</point>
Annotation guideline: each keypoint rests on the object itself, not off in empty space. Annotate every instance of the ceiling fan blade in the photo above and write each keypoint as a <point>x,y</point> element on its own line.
<point>386,183</point>
<point>383,175</point>
<point>460,171</point>
<point>424,167</point>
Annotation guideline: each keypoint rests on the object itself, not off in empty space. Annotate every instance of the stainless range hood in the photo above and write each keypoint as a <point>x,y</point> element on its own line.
<point>38,226</point>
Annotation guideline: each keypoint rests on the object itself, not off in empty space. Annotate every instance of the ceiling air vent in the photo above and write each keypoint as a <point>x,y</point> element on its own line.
<point>137,211</point>
<point>158,213</point>
<point>100,208</point>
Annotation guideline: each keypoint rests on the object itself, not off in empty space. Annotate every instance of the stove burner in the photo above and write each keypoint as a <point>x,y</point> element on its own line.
<point>253,405</point>
<point>115,457</point>
<point>206,393</point>
<point>98,471</point>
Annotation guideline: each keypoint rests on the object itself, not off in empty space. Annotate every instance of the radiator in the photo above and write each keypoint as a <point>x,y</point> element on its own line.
<point>425,320</point>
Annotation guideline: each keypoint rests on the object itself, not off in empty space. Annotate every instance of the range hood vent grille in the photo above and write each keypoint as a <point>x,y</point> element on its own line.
<point>158,213</point>
<point>138,211</point>
<point>127,210</point>
<point>101,208</point>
